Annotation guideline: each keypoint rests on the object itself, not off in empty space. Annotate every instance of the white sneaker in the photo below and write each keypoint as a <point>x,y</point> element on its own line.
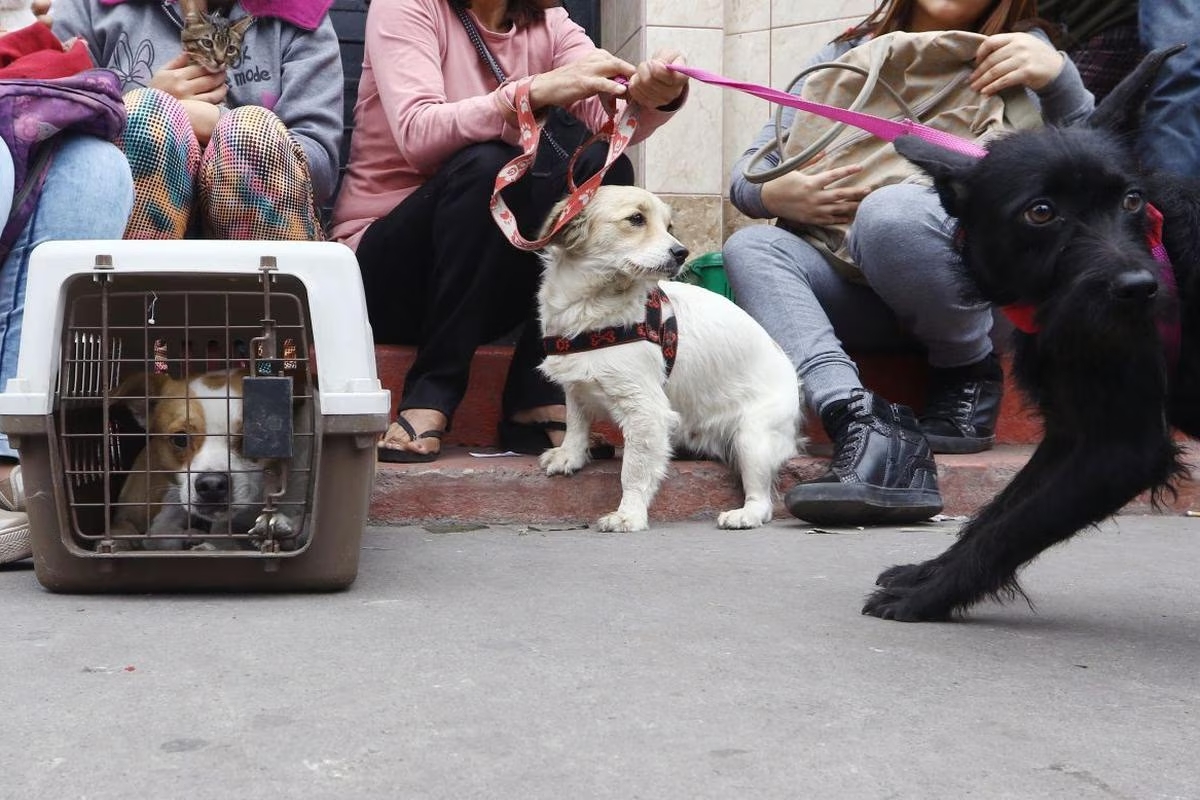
<point>12,491</point>
<point>15,543</point>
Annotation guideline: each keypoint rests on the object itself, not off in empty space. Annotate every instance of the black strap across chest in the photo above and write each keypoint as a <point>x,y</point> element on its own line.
<point>658,328</point>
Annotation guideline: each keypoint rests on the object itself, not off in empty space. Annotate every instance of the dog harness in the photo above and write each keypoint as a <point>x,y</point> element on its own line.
<point>1022,315</point>
<point>659,328</point>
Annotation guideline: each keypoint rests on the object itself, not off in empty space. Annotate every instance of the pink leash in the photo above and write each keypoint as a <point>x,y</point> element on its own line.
<point>886,129</point>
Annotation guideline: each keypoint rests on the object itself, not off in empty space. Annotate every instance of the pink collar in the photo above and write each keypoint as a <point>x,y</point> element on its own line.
<point>305,14</point>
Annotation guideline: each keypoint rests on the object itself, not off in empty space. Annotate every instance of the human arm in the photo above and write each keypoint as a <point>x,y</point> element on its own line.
<point>794,196</point>
<point>1028,59</point>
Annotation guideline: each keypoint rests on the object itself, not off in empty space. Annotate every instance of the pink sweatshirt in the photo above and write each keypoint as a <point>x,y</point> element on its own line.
<point>425,94</point>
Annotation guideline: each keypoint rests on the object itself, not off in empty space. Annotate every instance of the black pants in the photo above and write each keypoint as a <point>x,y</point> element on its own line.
<point>439,274</point>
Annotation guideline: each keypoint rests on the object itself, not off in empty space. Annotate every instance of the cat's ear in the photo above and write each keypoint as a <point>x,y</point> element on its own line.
<point>240,27</point>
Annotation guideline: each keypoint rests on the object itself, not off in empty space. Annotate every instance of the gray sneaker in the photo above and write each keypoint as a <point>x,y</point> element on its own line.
<point>15,543</point>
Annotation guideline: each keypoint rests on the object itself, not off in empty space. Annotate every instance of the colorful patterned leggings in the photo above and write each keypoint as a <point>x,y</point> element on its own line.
<point>250,182</point>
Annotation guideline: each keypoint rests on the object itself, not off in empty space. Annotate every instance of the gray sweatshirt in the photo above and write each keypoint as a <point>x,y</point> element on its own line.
<point>294,72</point>
<point>1064,101</point>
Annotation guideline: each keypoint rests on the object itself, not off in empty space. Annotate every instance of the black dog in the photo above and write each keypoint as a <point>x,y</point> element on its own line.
<point>1054,226</point>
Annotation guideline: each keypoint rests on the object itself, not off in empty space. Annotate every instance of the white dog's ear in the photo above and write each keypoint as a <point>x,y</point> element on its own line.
<point>572,234</point>
<point>138,391</point>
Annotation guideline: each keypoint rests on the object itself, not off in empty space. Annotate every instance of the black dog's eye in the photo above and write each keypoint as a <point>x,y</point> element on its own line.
<point>1133,202</point>
<point>179,440</point>
<point>638,219</point>
<point>1040,212</point>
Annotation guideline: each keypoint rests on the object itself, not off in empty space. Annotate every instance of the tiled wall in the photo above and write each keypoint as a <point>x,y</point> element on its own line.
<point>764,41</point>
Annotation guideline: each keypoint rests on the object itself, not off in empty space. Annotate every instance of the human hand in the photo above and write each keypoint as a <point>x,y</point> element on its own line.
<point>804,198</point>
<point>1015,59</point>
<point>203,116</point>
<point>591,75</point>
<point>23,14</point>
<point>184,80</point>
<point>653,85</point>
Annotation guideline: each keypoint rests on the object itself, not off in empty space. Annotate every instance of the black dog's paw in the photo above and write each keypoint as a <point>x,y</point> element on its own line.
<point>904,576</point>
<point>902,605</point>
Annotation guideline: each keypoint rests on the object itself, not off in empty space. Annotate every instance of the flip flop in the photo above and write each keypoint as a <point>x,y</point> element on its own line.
<point>393,455</point>
<point>533,438</point>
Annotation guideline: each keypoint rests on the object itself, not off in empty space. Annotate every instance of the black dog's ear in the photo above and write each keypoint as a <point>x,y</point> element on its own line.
<point>1121,110</point>
<point>946,167</point>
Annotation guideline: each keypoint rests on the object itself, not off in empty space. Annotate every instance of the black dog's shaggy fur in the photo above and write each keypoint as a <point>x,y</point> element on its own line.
<point>1056,219</point>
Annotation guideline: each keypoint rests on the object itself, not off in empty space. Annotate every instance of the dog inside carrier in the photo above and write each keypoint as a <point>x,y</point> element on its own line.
<point>184,415</point>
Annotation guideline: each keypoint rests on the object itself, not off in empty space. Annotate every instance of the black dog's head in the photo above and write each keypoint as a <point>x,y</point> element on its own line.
<point>1055,216</point>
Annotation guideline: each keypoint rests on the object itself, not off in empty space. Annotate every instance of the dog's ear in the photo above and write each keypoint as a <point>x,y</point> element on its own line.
<point>137,392</point>
<point>1120,112</point>
<point>570,235</point>
<point>947,168</point>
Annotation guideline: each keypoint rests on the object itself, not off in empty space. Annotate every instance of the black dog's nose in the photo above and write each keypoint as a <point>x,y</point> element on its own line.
<point>212,487</point>
<point>679,253</point>
<point>1134,285</point>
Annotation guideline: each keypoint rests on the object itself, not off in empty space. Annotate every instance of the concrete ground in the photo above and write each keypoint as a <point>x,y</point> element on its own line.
<point>680,663</point>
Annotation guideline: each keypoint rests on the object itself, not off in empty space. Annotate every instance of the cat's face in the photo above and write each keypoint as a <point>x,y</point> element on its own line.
<point>210,40</point>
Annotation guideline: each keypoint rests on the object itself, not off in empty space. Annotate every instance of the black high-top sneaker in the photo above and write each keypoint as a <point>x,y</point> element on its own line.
<point>962,406</point>
<point>882,470</point>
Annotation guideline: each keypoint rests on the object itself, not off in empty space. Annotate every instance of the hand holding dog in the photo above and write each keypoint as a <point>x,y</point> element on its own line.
<point>589,76</point>
<point>805,198</point>
<point>655,86</point>
<point>1015,59</point>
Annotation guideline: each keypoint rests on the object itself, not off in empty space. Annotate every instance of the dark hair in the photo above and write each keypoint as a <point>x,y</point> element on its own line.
<point>1005,16</point>
<point>521,12</point>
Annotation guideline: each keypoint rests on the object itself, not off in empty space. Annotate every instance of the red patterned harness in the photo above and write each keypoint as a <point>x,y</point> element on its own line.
<point>658,328</point>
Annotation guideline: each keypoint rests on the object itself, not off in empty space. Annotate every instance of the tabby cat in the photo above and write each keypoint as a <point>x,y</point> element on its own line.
<point>210,39</point>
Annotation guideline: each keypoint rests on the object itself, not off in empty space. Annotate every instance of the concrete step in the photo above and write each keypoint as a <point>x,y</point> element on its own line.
<point>461,488</point>
<point>900,377</point>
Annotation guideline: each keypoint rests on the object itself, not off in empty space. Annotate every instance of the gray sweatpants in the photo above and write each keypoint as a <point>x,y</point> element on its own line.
<point>901,241</point>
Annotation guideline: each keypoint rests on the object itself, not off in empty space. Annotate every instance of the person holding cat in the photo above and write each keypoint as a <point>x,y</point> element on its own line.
<point>434,124</point>
<point>235,111</point>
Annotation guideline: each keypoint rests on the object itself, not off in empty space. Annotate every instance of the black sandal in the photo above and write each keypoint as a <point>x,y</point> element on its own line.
<point>393,455</point>
<point>533,438</point>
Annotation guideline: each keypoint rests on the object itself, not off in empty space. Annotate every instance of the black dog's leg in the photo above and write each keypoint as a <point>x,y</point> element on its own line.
<point>1066,486</point>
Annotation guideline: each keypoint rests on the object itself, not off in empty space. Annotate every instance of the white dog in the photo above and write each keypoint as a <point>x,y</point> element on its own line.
<point>731,393</point>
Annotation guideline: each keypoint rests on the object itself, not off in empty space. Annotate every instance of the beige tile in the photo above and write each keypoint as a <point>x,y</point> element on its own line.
<point>792,47</point>
<point>733,220</point>
<point>801,12</point>
<point>696,14</point>
<point>742,115</point>
<point>685,155</point>
<point>620,21</point>
<point>743,16</point>
<point>697,221</point>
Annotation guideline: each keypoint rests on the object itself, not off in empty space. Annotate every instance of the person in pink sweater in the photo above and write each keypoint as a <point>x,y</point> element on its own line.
<point>433,126</point>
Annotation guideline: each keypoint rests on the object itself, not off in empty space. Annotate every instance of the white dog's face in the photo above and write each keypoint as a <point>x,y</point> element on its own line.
<point>622,228</point>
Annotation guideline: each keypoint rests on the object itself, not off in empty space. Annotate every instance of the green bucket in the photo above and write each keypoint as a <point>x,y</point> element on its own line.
<point>708,271</point>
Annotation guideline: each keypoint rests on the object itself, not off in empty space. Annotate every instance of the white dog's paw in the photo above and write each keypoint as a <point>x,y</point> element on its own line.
<point>557,461</point>
<point>622,522</point>
<point>740,519</point>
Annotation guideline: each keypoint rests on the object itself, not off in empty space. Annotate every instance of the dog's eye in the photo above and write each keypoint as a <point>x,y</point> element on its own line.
<point>638,219</point>
<point>1040,212</point>
<point>1133,202</point>
<point>179,440</point>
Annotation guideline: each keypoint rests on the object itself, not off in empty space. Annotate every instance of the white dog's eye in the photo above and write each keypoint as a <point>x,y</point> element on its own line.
<point>179,440</point>
<point>637,219</point>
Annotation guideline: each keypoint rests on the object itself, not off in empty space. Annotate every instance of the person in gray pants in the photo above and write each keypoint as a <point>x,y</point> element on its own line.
<point>909,295</point>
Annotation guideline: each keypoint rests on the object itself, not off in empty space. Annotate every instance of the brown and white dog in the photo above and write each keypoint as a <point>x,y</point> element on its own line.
<point>723,388</point>
<point>191,468</point>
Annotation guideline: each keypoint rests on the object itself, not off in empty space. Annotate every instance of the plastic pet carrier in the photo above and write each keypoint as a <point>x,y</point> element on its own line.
<point>195,415</point>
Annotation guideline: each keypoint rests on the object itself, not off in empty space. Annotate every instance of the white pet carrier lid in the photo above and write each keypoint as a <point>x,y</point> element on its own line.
<point>348,382</point>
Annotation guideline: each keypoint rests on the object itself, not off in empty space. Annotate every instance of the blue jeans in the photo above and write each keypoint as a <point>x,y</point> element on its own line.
<point>1170,138</point>
<point>88,194</point>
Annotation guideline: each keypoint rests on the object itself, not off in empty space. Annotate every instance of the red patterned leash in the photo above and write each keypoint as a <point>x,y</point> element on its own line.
<point>618,131</point>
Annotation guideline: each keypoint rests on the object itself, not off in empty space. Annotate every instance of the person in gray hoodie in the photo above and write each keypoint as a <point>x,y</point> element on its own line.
<point>249,152</point>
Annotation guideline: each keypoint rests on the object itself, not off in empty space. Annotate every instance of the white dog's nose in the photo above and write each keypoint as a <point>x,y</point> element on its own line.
<point>679,253</point>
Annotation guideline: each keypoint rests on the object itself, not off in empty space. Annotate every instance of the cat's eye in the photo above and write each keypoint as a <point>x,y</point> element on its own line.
<point>1133,201</point>
<point>1040,212</point>
<point>637,219</point>
<point>179,440</point>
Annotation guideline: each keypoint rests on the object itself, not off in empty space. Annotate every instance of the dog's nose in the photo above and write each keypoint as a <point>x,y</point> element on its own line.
<point>679,253</point>
<point>1134,285</point>
<point>212,487</point>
